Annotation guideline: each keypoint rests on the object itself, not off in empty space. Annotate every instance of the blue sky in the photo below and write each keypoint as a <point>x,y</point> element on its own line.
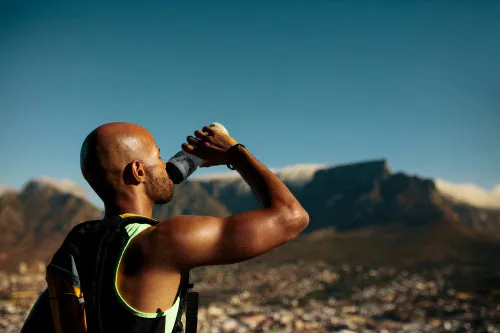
<point>416,82</point>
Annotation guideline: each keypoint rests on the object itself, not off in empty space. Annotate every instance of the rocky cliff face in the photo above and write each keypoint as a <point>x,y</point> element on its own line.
<point>351,196</point>
<point>483,220</point>
<point>380,198</point>
<point>344,197</point>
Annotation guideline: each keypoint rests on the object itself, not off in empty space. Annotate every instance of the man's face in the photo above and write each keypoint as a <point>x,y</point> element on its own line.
<point>159,187</point>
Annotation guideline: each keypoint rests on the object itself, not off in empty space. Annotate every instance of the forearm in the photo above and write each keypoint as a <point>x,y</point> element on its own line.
<point>268,189</point>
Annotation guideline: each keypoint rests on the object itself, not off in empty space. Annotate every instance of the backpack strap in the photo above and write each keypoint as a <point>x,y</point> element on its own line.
<point>188,304</point>
<point>192,311</point>
<point>109,226</point>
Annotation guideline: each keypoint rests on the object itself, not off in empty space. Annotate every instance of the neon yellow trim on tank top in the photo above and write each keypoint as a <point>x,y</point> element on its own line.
<point>133,230</point>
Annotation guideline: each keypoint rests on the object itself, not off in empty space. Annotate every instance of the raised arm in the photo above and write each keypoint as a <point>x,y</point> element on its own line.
<point>205,240</point>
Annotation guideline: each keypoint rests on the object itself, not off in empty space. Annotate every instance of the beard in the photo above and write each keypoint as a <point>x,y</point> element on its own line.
<point>160,188</point>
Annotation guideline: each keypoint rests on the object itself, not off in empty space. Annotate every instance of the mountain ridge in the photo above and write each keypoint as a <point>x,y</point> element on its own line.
<point>464,193</point>
<point>347,199</point>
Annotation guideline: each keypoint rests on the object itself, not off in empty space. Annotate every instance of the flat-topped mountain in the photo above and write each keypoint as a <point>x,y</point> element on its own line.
<point>346,200</point>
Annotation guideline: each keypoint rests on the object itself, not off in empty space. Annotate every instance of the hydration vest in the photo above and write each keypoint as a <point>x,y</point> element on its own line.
<point>83,268</point>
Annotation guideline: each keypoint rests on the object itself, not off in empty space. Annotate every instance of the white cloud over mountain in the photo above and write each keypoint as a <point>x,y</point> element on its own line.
<point>470,194</point>
<point>297,174</point>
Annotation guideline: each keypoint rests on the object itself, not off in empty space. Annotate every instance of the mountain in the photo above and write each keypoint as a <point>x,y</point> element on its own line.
<point>357,195</point>
<point>34,221</point>
<point>359,212</point>
<point>191,199</point>
<point>237,196</point>
<point>391,244</point>
<point>476,207</point>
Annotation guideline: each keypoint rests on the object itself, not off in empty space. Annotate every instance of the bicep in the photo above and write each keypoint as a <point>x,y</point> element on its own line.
<point>205,240</point>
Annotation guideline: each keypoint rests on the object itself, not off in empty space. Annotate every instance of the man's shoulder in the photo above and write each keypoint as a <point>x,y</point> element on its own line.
<point>85,227</point>
<point>82,230</point>
<point>78,235</point>
<point>98,228</point>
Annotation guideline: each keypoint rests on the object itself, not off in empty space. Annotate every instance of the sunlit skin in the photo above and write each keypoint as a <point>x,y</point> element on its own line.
<point>121,162</point>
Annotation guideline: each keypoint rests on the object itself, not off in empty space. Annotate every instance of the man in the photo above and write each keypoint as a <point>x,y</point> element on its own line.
<point>122,164</point>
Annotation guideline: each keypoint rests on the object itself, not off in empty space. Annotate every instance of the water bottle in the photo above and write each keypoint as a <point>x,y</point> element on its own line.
<point>182,165</point>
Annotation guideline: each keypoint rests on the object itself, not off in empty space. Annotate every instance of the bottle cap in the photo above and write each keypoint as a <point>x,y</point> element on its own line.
<point>219,127</point>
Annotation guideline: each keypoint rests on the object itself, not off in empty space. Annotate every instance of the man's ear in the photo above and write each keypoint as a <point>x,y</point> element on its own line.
<point>135,173</point>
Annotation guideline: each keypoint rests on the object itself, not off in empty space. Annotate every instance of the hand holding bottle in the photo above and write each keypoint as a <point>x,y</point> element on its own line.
<point>207,149</point>
<point>210,145</point>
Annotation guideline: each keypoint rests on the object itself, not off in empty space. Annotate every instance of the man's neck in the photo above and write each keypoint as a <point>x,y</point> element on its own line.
<point>132,208</point>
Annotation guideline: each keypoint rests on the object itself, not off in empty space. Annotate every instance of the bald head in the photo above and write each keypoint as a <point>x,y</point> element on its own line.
<point>111,145</point>
<point>119,156</point>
